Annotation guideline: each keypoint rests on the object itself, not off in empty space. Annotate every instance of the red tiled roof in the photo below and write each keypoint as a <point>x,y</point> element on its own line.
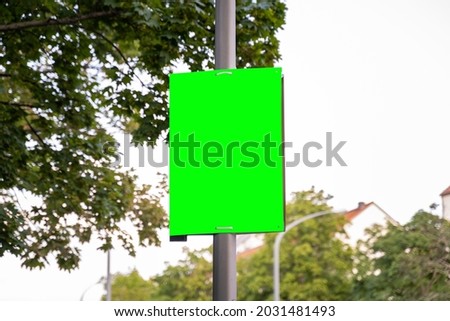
<point>446,192</point>
<point>350,215</point>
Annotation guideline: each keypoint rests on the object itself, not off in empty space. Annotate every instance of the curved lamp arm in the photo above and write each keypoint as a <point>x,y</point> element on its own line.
<point>276,248</point>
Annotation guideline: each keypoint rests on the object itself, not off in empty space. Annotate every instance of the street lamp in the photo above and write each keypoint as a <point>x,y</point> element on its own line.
<point>276,248</point>
<point>103,280</point>
<point>100,281</point>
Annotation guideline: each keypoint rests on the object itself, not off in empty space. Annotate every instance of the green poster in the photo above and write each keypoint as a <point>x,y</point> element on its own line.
<point>226,170</point>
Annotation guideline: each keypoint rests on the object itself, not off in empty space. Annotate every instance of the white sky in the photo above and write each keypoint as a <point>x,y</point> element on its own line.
<point>374,73</point>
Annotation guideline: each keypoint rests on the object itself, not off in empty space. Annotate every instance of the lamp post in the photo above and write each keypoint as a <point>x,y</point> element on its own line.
<point>276,248</point>
<point>224,245</point>
<point>100,281</point>
<point>108,276</point>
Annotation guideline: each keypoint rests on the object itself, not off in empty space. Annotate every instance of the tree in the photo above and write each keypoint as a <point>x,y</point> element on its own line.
<point>131,287</point>
<point>410,262</point>
<point>71,73</point>
<point>189,280</point>
<point>314,263</point>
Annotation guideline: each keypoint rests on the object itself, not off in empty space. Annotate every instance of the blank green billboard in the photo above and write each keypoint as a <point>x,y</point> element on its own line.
<point>226,171</point>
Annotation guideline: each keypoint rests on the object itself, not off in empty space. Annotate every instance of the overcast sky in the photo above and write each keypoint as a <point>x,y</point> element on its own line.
<point>375,74</point>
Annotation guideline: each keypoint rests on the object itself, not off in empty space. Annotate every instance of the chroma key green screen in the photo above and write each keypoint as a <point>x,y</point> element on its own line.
<point>226,170</point>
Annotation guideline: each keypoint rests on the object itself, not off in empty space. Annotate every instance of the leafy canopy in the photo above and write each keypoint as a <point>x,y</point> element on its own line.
<point>315,264</point>
<point>409,262</point>
<point>188,280</point>
<point>131,287</point>
<point>71,73</point>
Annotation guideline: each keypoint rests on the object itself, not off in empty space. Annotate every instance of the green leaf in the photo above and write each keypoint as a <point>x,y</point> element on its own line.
<point>65,88</point>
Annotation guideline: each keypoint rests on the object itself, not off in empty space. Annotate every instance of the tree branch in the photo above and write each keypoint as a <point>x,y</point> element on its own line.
<point>112,44</point>
<point>56,22</point>
<point>36,133</point>
<point>41,141</point>
<point>9,103</point>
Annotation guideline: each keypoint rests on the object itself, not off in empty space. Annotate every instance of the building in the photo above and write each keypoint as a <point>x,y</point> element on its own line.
<point>446,203</point>
<point>364,216</point>
<point>248,243</point>
<point>359,219</point>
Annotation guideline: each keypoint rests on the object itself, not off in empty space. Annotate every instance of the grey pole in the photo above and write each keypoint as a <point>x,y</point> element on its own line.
<point>100,281</point>
<point>108,276</point>
<point>225,35</point>
<point>224,245</point>
<point>276,249</point>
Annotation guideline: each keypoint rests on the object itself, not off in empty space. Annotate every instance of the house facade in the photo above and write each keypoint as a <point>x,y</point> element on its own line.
<point>445,195</point>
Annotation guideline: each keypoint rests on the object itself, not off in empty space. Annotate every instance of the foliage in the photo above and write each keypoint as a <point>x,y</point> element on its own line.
<point>131,287</point>
<point>71,72</point>
<point>189,280</point>
<point>410,262</point>
<point>314,263</point>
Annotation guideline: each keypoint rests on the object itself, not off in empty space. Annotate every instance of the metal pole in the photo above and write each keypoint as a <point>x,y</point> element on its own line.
<point>225,35</point>
<point>108,276</point>
<point>100,281</point>
<point>224,245</point>
<point>276,249</point>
